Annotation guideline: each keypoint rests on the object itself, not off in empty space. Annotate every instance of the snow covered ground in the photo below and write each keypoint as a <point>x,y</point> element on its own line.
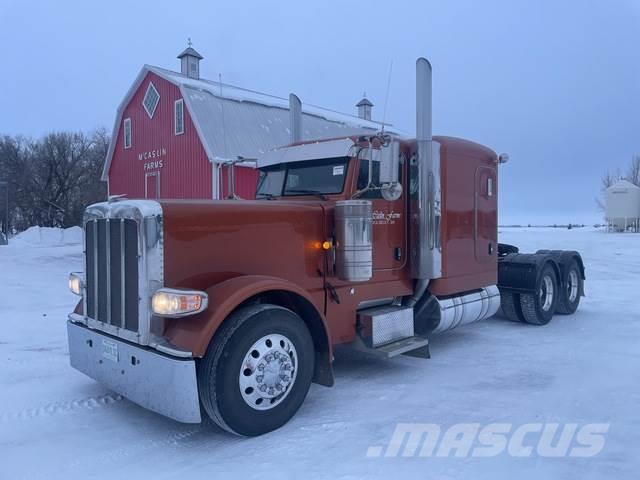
<point>585,368</point>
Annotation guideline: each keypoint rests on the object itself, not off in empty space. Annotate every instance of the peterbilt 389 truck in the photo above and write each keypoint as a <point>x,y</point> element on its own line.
<point>229,309</point>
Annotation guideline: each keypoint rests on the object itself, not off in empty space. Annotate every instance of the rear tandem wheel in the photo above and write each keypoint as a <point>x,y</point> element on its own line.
<point>538,308</point>
<point>572,286</point>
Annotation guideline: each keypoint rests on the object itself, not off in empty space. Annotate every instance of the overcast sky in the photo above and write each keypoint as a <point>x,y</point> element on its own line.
<point>556,84</point>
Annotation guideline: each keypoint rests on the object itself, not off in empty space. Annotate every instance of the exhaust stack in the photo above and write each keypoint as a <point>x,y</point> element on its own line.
<point>423,100</point>
<point>426,258</point>
<point>295,118</point>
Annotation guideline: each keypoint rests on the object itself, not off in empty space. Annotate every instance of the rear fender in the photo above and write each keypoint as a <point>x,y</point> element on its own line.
<point>195,333</point>
<point>518,272</point>
<point>564,258</point>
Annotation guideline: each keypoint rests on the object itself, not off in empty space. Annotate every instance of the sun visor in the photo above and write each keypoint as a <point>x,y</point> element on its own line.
<point>307,151</point>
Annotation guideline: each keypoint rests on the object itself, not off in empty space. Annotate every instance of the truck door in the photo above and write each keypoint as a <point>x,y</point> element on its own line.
<point>389,219</point>
<point>152,185</point>
<point>485,214</point>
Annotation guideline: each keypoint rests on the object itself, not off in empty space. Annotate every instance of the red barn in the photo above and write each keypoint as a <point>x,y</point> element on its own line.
<point>174,133</point>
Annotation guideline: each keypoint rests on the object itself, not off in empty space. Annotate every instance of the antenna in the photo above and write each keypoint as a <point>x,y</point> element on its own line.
<point>386,96</point>
<point>230,180</point>
<point>224,130</point>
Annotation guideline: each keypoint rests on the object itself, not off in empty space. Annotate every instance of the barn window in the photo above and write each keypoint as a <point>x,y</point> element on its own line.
<point>127,133</point>
<point>151,99</point>
<point>178,117</point>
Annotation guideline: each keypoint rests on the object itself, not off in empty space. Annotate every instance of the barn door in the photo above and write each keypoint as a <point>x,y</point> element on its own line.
<point>152,185</point>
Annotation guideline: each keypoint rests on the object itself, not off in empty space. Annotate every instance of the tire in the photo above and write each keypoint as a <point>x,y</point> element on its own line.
<point>538,308</point>
<point>506,249</point>
<point>258,339</point>
<point>510,306</point>
<point>571,286</point>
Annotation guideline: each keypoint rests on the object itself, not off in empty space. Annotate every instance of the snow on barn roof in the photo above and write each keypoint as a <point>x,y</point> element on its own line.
<point>254,122</point>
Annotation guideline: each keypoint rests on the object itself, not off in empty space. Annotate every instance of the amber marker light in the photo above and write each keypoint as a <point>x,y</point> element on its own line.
<point>168,302</point>
<point>326,245</point>
<point>76,283</point>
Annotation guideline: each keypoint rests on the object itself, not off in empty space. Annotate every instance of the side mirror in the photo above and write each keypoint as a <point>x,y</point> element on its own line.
<point>390,162</point>
<point>391,191</point>
<point>390,188</point>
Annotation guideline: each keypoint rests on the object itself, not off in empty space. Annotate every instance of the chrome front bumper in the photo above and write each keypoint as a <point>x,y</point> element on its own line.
<point>161,383</point>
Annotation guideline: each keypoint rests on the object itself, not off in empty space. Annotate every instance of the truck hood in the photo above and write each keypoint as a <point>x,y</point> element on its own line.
<point>206,242</point>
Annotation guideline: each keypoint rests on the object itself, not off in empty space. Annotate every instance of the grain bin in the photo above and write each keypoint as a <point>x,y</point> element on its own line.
<point>623,206</point>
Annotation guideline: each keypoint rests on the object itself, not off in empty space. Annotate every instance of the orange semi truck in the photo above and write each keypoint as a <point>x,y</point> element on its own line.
<point>230,309</point>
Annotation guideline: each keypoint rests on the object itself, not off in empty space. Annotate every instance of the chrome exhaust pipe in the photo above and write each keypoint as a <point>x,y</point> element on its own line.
<point>426,257</point>
<point>295,118</point>
<point>423,101</point>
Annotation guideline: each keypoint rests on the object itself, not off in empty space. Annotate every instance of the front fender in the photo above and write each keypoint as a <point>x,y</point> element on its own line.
<point>194,333</point>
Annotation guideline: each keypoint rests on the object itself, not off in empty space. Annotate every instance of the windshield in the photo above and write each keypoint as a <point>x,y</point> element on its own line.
<point>324,176</point>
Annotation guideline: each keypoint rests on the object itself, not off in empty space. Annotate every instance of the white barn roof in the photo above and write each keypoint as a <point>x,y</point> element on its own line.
<point>254,122</point>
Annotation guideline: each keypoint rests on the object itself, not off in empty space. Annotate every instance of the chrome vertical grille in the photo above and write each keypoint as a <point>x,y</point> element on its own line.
<point>112,272</point>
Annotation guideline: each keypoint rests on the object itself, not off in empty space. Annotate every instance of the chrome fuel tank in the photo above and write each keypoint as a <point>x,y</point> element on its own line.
<point>354,240</point>
<point>468,308</point>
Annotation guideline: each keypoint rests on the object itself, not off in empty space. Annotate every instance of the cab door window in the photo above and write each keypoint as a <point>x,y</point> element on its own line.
<point>363,178</point>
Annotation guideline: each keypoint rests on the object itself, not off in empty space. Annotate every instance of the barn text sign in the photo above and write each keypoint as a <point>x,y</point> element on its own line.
<point>153,158</point>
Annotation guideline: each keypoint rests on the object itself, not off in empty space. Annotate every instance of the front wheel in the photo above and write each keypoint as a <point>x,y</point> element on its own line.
<point>257,370</point>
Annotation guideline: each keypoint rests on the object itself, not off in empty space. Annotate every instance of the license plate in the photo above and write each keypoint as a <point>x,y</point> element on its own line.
<point>110,350</point>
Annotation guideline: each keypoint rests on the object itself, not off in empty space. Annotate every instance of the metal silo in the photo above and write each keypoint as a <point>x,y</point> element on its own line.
<point>623,207</point>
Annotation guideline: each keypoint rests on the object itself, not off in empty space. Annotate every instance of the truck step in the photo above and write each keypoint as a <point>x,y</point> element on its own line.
<point>415,346</point>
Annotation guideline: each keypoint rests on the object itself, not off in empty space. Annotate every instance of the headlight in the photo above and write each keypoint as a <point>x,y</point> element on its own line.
<point>168,302</point>
<point>76,281</point>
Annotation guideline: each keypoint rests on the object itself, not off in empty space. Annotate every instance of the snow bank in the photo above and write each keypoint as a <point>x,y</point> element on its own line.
<point>579,369</point>
<point>49,236</point>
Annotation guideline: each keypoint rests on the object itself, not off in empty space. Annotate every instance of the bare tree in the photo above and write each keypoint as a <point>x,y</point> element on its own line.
<point>633,173</point>
<point>605,182</point>
<point>53,179</point>
<point>13,152</point>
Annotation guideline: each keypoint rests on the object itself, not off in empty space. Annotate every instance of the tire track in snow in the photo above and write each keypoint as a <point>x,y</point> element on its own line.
<point>57,408</point>
<point>173,439</point>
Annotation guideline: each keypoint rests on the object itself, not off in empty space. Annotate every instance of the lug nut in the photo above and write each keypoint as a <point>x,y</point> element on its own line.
<point>259,378</point>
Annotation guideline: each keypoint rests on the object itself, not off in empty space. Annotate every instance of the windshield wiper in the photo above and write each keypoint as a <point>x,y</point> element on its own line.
<point>268,196</point>
<point>317,193</point>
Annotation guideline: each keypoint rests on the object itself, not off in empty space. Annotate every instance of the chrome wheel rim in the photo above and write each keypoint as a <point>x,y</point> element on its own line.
<point>546,293</point>
<point>572,286</point>
<point>268,372</point>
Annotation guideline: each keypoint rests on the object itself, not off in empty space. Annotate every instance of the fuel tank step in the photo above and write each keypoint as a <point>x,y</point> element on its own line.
<point>415,346</point>
<point>388,331</point>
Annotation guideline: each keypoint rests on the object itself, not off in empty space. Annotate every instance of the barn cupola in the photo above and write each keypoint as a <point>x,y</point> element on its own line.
<point>364,107</point>
<point>190,62</point>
